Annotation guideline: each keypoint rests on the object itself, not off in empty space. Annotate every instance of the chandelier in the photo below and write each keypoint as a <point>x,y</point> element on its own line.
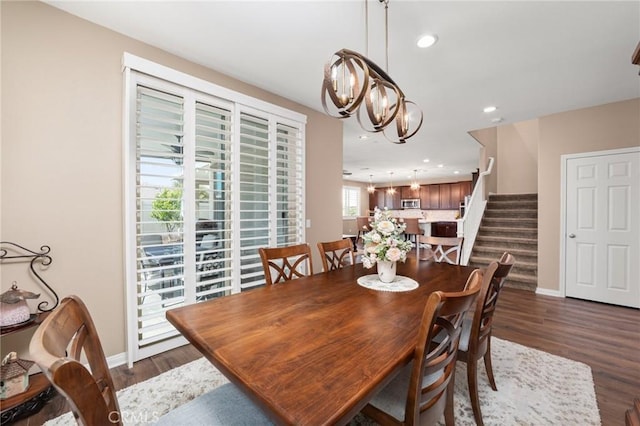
<point>391,189</point>
<point>351,80</point>
<point>371,189</point>
<point>415,185</point>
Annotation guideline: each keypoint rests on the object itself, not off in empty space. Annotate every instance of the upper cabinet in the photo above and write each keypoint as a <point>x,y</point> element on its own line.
<point>443,196</point>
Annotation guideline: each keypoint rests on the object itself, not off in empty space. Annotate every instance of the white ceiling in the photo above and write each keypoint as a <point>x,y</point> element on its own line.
<point>530,59</point>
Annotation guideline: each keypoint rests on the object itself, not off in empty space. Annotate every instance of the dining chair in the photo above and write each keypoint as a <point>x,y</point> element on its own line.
<point>362,223</point>
<point>475,342</point>
<point>446,249</point>
<point>412,228</point>
<point>336,254</point>
<point>68,332</point>
<point>423,390</point>
<point>287,262</point>
<point>632,415</point>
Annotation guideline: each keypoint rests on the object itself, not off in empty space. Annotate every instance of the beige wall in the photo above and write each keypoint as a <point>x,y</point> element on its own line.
<point>61,156</point>
<point>349,226</point>
<point>604,127</point>
<point>488,138</point>
<point>519,143</point>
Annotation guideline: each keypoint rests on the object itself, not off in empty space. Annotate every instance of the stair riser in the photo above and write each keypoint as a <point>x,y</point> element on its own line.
<point>529,271</point>
<point>496,253</point>
<point>515,233</point>
<point>513,197</point>
<point>508,214</point>
<point>506,244</point>
<point>503,223</point>
<point>512,205</point>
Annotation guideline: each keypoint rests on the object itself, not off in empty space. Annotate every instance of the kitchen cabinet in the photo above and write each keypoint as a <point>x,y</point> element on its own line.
<point>444,229</point>
<point>445,196</point>
<point>407,193</point>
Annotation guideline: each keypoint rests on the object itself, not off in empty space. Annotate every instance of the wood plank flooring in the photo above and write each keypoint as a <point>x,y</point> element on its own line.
<point>605,337</point>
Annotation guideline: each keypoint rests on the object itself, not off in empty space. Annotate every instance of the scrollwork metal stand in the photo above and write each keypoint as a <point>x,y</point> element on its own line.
<point>6,252</point>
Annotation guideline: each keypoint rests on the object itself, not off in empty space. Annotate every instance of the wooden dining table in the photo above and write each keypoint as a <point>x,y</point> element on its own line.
<point>315,350</point>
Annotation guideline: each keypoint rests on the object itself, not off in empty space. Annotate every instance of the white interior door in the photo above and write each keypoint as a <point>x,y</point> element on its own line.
<point>602,241</point>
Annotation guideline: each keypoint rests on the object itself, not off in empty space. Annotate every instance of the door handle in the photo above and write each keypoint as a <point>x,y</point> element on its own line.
<point>572,235</point>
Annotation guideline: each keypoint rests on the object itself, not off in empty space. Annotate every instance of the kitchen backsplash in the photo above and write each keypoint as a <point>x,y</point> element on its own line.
<point>430,215</point>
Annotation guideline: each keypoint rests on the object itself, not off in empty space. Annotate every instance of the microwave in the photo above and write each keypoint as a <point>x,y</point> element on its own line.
<point>412,203</point>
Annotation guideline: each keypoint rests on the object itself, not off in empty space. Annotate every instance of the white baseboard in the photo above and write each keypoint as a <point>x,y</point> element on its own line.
<point>117,360</point>
<point>547,292</point>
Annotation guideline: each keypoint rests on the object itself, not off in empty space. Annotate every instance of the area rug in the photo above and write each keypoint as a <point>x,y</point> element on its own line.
<point>534,388</point>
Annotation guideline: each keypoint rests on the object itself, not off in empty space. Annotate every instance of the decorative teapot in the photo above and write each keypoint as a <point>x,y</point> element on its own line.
<point>13,306</point>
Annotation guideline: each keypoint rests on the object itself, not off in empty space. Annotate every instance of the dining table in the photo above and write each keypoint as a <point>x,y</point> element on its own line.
<point>315,350</point>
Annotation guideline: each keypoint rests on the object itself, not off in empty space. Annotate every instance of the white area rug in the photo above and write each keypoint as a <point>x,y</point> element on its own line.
<point>534,388</point>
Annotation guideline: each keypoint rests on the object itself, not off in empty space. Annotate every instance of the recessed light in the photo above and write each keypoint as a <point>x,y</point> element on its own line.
<point>497,120</point>
<point>426,160</point>
<point>440,165</point>
<point>427,40</point>
<point>490,108</point>
<point>363,137</point>
<point>456,172</point>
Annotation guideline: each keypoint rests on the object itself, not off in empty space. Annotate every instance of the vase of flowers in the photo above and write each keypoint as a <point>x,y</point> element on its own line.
<point>384,245</point>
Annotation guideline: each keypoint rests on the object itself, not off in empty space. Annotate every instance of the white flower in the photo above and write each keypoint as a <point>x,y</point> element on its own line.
<point>366,262</point>
<point>386,227</point>
<point>376,238</point>
<point>394,254</point>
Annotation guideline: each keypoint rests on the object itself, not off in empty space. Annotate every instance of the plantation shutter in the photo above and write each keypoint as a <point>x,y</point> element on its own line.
<point>254,197</point>
<point>209,181</point>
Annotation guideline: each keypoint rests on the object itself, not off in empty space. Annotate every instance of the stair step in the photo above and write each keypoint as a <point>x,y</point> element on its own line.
<point>507,242</point>
<point>513,197</point>
<point>513,205</point>
<point>511,213</point>
<point>522,256</point>
<point>519,267</point>
<point>489,231</point>
<point>509,222</point>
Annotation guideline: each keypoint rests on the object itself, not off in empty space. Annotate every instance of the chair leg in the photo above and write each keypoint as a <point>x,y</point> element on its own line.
<point>472,379</point>
<point>449,419</point>
<point>488,366</point>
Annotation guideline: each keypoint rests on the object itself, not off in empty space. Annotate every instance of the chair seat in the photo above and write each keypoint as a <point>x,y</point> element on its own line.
<point>392,399</point>
<point>224,405</point>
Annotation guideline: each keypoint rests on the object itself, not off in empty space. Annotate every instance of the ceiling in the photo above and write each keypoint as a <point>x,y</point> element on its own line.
<point>529,59</point>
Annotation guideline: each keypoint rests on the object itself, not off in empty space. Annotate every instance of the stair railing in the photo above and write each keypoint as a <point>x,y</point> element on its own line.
<point>469,225</point>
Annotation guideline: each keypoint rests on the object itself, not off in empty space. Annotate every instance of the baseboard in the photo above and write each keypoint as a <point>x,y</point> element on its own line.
<point>547,292</point>
<point>117,360</point>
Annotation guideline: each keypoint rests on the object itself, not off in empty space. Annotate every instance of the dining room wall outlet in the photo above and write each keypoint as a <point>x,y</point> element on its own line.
<point>308,223</point>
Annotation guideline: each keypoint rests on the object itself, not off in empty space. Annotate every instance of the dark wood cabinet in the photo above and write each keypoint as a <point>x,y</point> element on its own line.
<point>392,201</point>
<point>443,196</point>
<point>444,229</point>
<point>407,193</point>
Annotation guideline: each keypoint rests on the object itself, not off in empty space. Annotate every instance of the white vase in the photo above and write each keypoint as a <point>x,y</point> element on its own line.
<point>386,270</point>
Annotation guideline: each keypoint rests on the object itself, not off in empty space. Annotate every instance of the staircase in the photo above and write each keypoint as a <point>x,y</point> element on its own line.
<point>510,223</point>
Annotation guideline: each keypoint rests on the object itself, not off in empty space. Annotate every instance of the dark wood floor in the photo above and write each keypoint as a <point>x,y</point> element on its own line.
<point>605,337</point>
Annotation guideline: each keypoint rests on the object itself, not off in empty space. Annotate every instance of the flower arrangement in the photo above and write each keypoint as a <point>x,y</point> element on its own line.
<point>384,242</point>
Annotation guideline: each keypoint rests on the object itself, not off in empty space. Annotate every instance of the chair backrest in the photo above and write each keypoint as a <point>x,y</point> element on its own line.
<point>287,262</point>
<point>494,279</point>
<point>362,223</point>
<point>444,248</point>
<point>434,363</point>
<point>57,346</point>
<point>413,226</point>
<point>336,254</point>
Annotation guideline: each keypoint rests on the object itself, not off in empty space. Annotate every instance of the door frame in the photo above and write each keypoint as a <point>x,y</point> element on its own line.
<point>564,159</point>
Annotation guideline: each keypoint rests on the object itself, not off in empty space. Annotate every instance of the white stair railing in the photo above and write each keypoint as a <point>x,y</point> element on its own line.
<point>469,225</point>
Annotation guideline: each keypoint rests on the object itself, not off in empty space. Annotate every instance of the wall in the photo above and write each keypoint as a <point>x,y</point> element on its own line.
<point>488,138</point>
<point>604,127</point>
<point>61,156</point>
<point>519,143</point>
